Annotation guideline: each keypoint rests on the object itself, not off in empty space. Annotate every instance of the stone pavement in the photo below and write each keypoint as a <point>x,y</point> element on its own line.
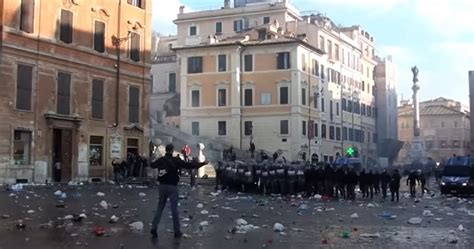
<point>226,220</point>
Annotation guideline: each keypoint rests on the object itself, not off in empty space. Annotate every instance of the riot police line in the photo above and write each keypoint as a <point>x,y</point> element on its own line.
<point>292,178</point>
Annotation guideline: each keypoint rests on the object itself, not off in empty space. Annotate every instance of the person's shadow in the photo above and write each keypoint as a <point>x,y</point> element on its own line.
<point>176,243</point>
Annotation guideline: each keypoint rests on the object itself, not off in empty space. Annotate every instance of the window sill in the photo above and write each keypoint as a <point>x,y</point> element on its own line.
<point>23,111</point>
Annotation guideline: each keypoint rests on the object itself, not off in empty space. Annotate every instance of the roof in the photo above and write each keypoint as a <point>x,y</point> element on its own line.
<point>431,110</point>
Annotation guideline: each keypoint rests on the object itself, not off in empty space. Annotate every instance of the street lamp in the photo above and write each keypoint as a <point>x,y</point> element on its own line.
<point>117,41</point>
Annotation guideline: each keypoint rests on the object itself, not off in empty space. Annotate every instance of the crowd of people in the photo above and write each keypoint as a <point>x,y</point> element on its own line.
<point>332,181</point>
<point>133,166</point>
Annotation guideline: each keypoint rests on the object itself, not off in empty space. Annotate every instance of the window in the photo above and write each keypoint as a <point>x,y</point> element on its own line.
<point>195,64</point>
<point>97,99</point>
<point>336,49</point>
<point>322,104</point>
<point>283,60</point>
<point>331,112</point>
<point>351,134</point>
<point>322,72</point>
<point>99,36</point>
<point>266,98</point>
<point>248,98</point>
<point>331,133</point>
<point>337,108</point>
<point>222,63</point>
<point>195,128</point>
<point>96,149</point>
<point>349,106</point>
<point>64,94</point>
<point>218,28</point>
<point>369,111</point>
<point>344,133</point>
<point>238,25</point>
<point>455,124</point>
<point>321,43</point>
<point>137,3</point>
<point>222,129</point>
<point>135,47</point>
<point>323,131</point>
<point>284,95</point>
<point>303,96</point>
<point>65,32</point>
<point>315,102</point>
<point>24,82</point>
<point>315,67</point>
<point>456,144</point>
<point>248,127</point>
<point>266,19</point>
<point>192,31</point>
<point>363,85</point>
<point>316,130</point>
<point>356,107</point>
<point>338,133</point>
<point>303,128</point>
<point>344,104</point>
<point>22,147</point>
<point>248,63</point>
<point>443,144</point>
<point>133,104</point>
<point>221,97</point>
<point>303,62</point>
<point>363,109</point>
<point>330,49</point>
<point>284,129</point>
<point>172,82</point>
<point>27,15</point>
<point>195,98</point>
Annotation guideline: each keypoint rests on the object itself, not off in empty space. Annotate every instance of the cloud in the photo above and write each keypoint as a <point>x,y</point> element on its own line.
<point>447,17</point>
<point>164,12</point>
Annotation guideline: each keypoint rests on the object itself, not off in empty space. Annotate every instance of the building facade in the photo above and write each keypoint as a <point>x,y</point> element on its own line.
<point>266,73</point>
<point>445,129</point>
<point>68,104</point>
<point>388,145</point>
<point>471,105</point>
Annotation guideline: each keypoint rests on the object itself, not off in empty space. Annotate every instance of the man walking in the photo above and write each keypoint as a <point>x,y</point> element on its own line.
<point>395,185</point>
<point>168,176</point>
<point>411,180</point>
<point>385,180</point>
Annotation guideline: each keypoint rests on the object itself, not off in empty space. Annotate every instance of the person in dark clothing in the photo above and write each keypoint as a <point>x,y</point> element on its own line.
<point>339,181</point>
<point>252,149</point>
<point>395,185</point>
<point>351,181</point>
<point>117,170</point>
<point>370,184</point>
<point>363,183</point>
<point>319,180</point>
<point>275,156</point>
<point>376,182</point>
<point>328,175</point>
<point>422,183</point>
<point>384,180</point>
<point>168,176</point>
<point>411,181</point>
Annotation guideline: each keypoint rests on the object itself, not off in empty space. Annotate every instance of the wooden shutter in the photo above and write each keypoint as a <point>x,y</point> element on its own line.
<point>27,15</point>
<point>99,36</point>
<point>23,87</point>
<point>97,98</point>
<point>133,104</point>
<point>143,4</point>
<point>135,47</point>
<point>64,94</point>
<point>66,26</point>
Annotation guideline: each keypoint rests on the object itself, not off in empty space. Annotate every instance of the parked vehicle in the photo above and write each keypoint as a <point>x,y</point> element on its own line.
<point>458,176</point>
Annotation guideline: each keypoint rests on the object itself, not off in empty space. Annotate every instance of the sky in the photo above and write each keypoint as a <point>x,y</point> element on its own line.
<point>435,35</point>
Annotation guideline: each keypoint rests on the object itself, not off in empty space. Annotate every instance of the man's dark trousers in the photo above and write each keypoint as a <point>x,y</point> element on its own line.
<point>165,192</point>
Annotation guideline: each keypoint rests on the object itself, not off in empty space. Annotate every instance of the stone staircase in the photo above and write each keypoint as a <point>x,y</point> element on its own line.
<point>213,150</point>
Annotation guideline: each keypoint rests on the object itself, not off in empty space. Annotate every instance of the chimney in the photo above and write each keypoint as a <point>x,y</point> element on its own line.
<point>181,9</point>
<point>226,4</point>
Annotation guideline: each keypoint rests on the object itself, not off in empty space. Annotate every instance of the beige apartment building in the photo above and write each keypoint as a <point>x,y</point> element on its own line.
<point>445,128</point>
<point>289,82</point>
<point>68,105</point>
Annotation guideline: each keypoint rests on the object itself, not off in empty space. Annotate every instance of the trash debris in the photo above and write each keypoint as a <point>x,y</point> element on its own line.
<point>58,193</point>
<point>68,217</point>
<point>354,216</point>
<point>241,222</point>
<point>370,205</point>
<point>5,216</point>
<point>415,221</point>
<point>204,212</point>
<point>100,194</point>
<point>346,234</point>
<point>204,223</point>
<point>141,194</point>
<point>303,207</point>
<point>370,235</point>
<point>461,228</point>
<point>104,204</point>
<point>200,205</point>
<point>427,213</point>
<point>113,219</point>
<point>20,225</point>
<point>213,216</point>
<point>317,197</point>
<point>277,227</point>
<point>63,195</point>
<point>136,226</point>
<point>31,211</point>
<point>99,231</point>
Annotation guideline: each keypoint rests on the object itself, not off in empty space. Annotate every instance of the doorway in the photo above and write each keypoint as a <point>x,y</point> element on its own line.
<point>62,159</point>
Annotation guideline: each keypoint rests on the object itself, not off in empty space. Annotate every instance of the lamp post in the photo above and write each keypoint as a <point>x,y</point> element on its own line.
<point>117,41</point>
